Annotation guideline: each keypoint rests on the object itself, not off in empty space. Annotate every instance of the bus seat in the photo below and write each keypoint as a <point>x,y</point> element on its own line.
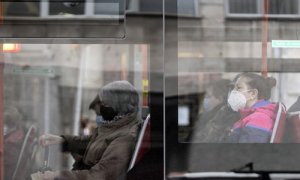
<point>294,120</point>
<point>279,124</point>
<point>143,143</point>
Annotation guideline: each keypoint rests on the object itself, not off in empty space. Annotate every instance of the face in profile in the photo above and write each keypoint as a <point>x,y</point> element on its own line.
<point>242,87</point>
<point>242,95</point>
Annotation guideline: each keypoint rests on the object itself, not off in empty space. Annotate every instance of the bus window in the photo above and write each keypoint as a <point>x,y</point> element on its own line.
<point>50,87</point>
<point>237,71</point>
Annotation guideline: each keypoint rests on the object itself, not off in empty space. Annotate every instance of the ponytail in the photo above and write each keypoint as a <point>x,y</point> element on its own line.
<point>270,82</point>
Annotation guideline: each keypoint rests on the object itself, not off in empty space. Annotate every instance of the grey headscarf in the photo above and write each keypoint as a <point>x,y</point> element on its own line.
<point>121,96</point>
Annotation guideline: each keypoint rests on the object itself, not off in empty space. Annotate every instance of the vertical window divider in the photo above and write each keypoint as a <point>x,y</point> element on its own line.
<point>259,6</point>
<point>226,8</point>
<point>197,11</point>
<point>298,1</point>
<point>89,9</point>
<point>135,5</point>
<point>44,8</point>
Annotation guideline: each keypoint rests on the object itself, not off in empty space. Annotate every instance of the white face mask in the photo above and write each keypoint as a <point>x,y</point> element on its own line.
<point>236,100</point>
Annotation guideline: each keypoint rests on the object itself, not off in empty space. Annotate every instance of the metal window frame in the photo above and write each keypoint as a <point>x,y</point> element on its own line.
<point>288,16</point>
<point>242,15</point>
<point>259,13</point>
<point>197,9</point>
<point>199,5</point>
<point>134,6</point>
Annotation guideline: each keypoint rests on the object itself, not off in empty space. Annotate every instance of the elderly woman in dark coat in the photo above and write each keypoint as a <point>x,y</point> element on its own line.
<point>107,152</point>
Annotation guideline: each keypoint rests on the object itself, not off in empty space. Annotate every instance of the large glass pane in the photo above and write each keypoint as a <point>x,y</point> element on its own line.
<point>60,86</point>
<point>236,90</point>
<point>50,87</point>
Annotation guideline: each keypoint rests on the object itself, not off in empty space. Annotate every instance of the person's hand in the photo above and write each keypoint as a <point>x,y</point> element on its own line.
<point>49,175</point>
<point>176,174</point>
<point>49,139</point>
<point>36,176</point>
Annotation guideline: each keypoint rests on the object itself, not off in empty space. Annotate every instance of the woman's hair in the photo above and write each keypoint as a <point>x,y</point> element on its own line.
<point>120,95</point>
<point>220,88</point>
<point>263,85</point>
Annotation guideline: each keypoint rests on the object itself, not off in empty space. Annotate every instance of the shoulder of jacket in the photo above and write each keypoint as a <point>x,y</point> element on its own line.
<point>257,118</point>
<point>130,131</point>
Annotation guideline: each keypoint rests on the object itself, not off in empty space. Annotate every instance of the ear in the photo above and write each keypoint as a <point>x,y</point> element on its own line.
<point>254,93</point>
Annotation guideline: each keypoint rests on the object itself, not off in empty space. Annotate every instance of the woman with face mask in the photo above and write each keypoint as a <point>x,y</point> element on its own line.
<point>250,97</point>
<point>217,119</point>
<point>215,123</point>
<point>107,152</point>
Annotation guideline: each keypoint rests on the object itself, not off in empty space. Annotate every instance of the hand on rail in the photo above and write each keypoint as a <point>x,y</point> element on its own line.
<point>47,175</point>
<point>49,139</point>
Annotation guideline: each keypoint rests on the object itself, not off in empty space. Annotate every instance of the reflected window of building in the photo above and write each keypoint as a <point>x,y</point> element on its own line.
<point>38,8</point>
<point>30,8</point>
<point>255,8</point>
<point>184,7</point>
<point>60,8</point>
<point>284,7</point>
<point>105,7</point>
<point>246,6</point>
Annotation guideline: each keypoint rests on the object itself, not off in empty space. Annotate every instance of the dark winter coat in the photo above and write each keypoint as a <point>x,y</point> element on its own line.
<point>215,128</point>
<point>106,153</point>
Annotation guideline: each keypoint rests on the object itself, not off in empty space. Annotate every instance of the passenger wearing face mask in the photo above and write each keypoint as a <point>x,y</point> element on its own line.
<point>250,97</point>
<point>216,121</point>
<point>107,152</point>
